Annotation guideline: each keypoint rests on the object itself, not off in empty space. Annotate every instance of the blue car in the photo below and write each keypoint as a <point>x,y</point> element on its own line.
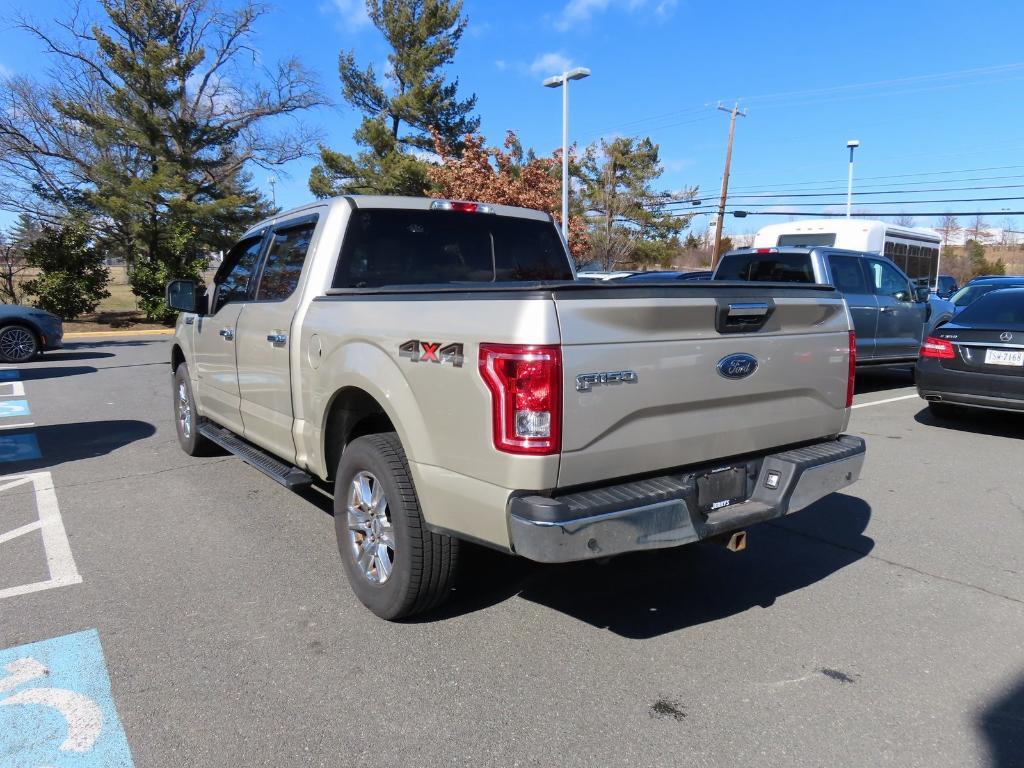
<point>980,286</point>
<point>27,331</point>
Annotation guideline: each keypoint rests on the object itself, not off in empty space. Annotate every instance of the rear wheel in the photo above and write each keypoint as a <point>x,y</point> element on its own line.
<point>395,565</point>
<point>17,344</point>
<point>944,410</point>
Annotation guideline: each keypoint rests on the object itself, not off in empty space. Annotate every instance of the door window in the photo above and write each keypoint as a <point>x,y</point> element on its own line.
<point>236,277</point>
<point>285,258</point>
<point>848,275</point>
<point>886,280</point>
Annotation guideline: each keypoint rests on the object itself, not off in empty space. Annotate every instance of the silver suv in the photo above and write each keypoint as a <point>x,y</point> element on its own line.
<point>890,315</point>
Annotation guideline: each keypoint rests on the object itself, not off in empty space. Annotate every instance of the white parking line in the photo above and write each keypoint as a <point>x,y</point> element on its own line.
<point>887,400</point>
<point>59,559</point>
<point>18,426</point>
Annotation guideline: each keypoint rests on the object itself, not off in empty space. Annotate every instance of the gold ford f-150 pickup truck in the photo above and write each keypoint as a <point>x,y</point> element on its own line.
<point>441,364</point>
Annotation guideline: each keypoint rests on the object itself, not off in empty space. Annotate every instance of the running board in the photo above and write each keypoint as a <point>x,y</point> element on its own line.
<point>290,477</point>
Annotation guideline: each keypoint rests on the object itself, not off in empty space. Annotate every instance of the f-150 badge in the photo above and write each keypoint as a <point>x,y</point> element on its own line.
<point>431,352</point>
<point>586,381</point>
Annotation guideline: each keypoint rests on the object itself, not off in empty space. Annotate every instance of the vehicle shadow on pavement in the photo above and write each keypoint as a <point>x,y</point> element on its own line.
<point>880,379</point>
<point>63,443</point>
<point>648,594</point>
<point>56,372</point>
<point>1002,725</point>
<point>50,357</point>
<point>977,420</point>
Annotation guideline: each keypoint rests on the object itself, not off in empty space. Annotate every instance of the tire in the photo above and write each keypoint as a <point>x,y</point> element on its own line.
<point>943,410</point>
<point>186,417</point>
<point>18,344</point>
<point>395,565</point>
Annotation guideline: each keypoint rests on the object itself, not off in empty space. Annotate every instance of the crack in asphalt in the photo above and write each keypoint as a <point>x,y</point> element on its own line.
<point>56,487</point>
<point>894,563</point>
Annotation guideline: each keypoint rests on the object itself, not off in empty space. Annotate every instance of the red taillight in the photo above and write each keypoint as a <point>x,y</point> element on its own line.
<point>851,373</point>
<point>938,348</point>
<point>464,207</point>
<point>767,250</point>
<point>526,396</point>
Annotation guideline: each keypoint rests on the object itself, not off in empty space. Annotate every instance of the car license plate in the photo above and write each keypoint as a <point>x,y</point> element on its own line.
<point>1004,357</point>
<point>721,488</point>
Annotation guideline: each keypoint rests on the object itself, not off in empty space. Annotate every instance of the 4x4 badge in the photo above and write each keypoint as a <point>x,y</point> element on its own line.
<point>431,352</point>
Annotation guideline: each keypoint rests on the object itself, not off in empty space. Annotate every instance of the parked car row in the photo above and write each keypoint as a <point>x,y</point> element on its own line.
<point>967,344</point>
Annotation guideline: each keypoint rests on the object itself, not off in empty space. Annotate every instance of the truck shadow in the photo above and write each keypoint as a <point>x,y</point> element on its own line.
<point>62,443</point>
<point>645,595</point>
<point>1002,725</point>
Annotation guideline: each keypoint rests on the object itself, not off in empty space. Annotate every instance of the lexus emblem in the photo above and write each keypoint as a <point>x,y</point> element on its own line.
<point>1005,336</point>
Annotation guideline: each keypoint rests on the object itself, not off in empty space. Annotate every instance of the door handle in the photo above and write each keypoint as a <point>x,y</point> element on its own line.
<point>277,338</point>
<point>227,333</point>
<point>886,310</point>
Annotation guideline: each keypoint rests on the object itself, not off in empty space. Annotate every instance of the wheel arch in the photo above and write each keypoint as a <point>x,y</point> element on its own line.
<point>351,413</point>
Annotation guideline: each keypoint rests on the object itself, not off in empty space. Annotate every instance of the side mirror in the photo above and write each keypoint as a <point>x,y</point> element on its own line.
<point>183,296</point>
<point>922,292</point>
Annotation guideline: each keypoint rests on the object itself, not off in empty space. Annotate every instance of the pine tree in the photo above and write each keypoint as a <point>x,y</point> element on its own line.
<point>623,208</point>
<point>158,121</point>
<point>397,120</point>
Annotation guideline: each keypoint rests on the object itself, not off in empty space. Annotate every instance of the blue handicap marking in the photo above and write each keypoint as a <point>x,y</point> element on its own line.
<point>14,408</point>
<point>20,447</point>
<point>56,708</point>
<point>9,375</point>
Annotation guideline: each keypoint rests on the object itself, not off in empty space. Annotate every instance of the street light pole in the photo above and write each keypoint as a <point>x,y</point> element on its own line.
<point>562,81</point>
<point>852,144</point>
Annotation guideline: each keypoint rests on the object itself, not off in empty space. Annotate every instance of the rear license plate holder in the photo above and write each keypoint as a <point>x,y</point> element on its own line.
<point>721,488</point>
<point>1010,357</point>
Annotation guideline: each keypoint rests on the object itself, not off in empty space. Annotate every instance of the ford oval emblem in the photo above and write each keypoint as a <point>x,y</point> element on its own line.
<point>737,366</point>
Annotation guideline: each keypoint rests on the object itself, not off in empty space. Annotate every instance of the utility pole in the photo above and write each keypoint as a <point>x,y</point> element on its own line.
<point>725,177</point>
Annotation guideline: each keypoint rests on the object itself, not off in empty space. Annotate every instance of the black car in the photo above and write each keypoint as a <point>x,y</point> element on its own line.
<point>662,275</point>
<point>977,359</point>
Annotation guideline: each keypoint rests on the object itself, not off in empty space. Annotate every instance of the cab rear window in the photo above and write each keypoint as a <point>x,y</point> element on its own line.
<point>767,267</point>
<point>1002,308</point>
<point>386,246</point>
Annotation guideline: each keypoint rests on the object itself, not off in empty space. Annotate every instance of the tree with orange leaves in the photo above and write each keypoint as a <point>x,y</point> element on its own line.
<point>507,176</point>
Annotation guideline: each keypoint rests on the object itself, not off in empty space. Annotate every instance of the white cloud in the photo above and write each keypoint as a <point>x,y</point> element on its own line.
<point>581,11</point>
<point>551,63</point>
<point>501,64</point>
<point>5,72</point>
<point>352,13</point>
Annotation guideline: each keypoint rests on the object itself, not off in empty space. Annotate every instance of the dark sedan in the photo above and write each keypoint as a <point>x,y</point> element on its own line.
<point>977,359</point>
<point>27,331</point>
<point>979,286</point>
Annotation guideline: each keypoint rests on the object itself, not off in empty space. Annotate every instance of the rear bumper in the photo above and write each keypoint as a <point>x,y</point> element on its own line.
<point>975,388</point>
<point>660,512</point>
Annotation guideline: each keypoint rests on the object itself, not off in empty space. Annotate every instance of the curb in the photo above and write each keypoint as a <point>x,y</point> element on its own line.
<point>149,332</point>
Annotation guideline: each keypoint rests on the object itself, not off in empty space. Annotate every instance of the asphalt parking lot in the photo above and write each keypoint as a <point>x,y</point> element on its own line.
<point>882,626</point>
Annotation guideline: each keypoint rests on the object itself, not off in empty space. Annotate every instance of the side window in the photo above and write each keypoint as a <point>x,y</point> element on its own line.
<point>285,258</point>
<point>887,281</point>
<point>848,274</point>
<point>238,282</point>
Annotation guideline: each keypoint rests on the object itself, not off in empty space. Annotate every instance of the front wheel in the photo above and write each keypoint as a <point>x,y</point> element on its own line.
<point>17,344</point>
<point>395,565</point>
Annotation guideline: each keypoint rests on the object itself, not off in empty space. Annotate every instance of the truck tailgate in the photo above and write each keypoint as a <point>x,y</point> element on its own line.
<point>663,402</point>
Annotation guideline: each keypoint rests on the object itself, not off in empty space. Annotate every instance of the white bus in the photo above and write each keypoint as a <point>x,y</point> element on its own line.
<point>915,250</point>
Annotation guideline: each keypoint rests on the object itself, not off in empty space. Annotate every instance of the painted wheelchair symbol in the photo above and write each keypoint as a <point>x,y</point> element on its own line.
<point>82,715</point>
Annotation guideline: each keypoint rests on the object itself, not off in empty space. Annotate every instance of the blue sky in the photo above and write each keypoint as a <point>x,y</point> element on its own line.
<point>931,89</point>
